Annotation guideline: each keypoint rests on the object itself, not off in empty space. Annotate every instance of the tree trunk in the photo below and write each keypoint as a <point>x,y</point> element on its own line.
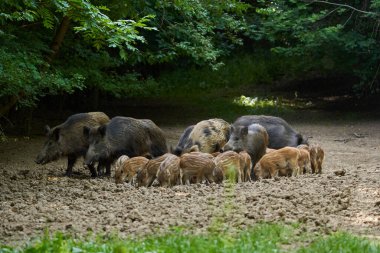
<point>58,38</point>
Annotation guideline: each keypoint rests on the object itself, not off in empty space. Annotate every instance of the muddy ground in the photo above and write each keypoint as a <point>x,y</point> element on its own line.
<point>34,198</point>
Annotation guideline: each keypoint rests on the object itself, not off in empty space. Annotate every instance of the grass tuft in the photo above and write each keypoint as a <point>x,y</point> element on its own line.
<point>342,242</point>
<point>263,238</point>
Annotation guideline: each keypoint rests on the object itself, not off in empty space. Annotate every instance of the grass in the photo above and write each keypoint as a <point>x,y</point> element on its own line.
<point>263,238</point>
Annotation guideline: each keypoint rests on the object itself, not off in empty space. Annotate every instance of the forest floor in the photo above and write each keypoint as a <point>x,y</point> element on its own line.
<point>37,198</point>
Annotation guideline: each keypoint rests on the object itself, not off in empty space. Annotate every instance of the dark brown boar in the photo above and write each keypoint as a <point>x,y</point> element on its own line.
<point>123,136</point>
<point>67,139</point>
<point>253,139</point>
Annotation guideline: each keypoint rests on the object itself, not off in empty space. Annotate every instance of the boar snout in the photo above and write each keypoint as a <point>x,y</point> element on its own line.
<point>225,148</point>
<point>40,160</point>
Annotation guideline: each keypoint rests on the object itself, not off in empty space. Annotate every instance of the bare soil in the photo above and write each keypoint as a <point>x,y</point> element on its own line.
<point>346,196</point>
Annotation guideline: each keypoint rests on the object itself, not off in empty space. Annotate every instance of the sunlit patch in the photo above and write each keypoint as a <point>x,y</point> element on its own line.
<point>52,178</point>
<point>256,102</point>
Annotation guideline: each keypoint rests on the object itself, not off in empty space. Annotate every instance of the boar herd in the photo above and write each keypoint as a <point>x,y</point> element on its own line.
<point>253,147</point>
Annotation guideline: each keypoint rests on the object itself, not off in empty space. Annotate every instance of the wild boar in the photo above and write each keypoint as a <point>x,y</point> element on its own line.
<point>253,139</point>
<point>282,162</point>
<point>123,136</point>
<point>207,136</point>
<point>246,163</point>
<point>169,172</point>
<point>317,154</point>
<point>126,168</point>
<point>197,166</point>
<point>183,140</point>
<point>230,163</point>
<point>304,159</point>
<point>281,134</point>
<point>147,174</point>
<point>269,150</point>
<point>67,140</point>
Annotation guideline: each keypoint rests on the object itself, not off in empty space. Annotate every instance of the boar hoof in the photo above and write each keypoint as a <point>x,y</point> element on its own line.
<point>93,173</point>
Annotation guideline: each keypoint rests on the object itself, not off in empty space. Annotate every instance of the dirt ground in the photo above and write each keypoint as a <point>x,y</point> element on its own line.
<point>34,198</point>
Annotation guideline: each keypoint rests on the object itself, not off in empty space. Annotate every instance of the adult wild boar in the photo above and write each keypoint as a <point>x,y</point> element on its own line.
<point>253,139</point>
<point>281,134</point>
<point>183,140</point>
<point>123,136</point>
<point>67,139</point>
<point>207,136</point>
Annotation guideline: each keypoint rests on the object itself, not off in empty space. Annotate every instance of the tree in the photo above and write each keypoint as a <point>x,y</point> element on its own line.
<point>26,72</point>
<point>331,37</point>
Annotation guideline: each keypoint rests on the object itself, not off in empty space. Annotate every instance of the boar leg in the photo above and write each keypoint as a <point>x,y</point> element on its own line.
<point>108,169</point>
<point>319,166</point>
<point>150,181</point>
<point>92,170</point>
<point>253,176</point>
<point>100,169</point>
<point>70,164</point>
<point>239,177</point>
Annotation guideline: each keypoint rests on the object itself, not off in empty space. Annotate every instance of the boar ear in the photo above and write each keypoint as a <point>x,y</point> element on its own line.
<point>47,130</point>
<point>56,133</point>
<point>102,130</point>
<point>86,131</point>
<point>244,130</point>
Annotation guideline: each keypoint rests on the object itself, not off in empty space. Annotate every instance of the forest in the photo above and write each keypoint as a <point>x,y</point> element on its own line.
<point>244,126</point>
<point>80,52</point>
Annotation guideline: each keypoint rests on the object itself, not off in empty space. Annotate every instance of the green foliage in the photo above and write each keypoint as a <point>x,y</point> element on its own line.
<point>124,36</point>
<point>199,31</point>
<point>163,47</point>
<point>95,26</point>
<point>22,74</point>
<point>262,238</point>
<point>342,242</point>
<point>335,36</point>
